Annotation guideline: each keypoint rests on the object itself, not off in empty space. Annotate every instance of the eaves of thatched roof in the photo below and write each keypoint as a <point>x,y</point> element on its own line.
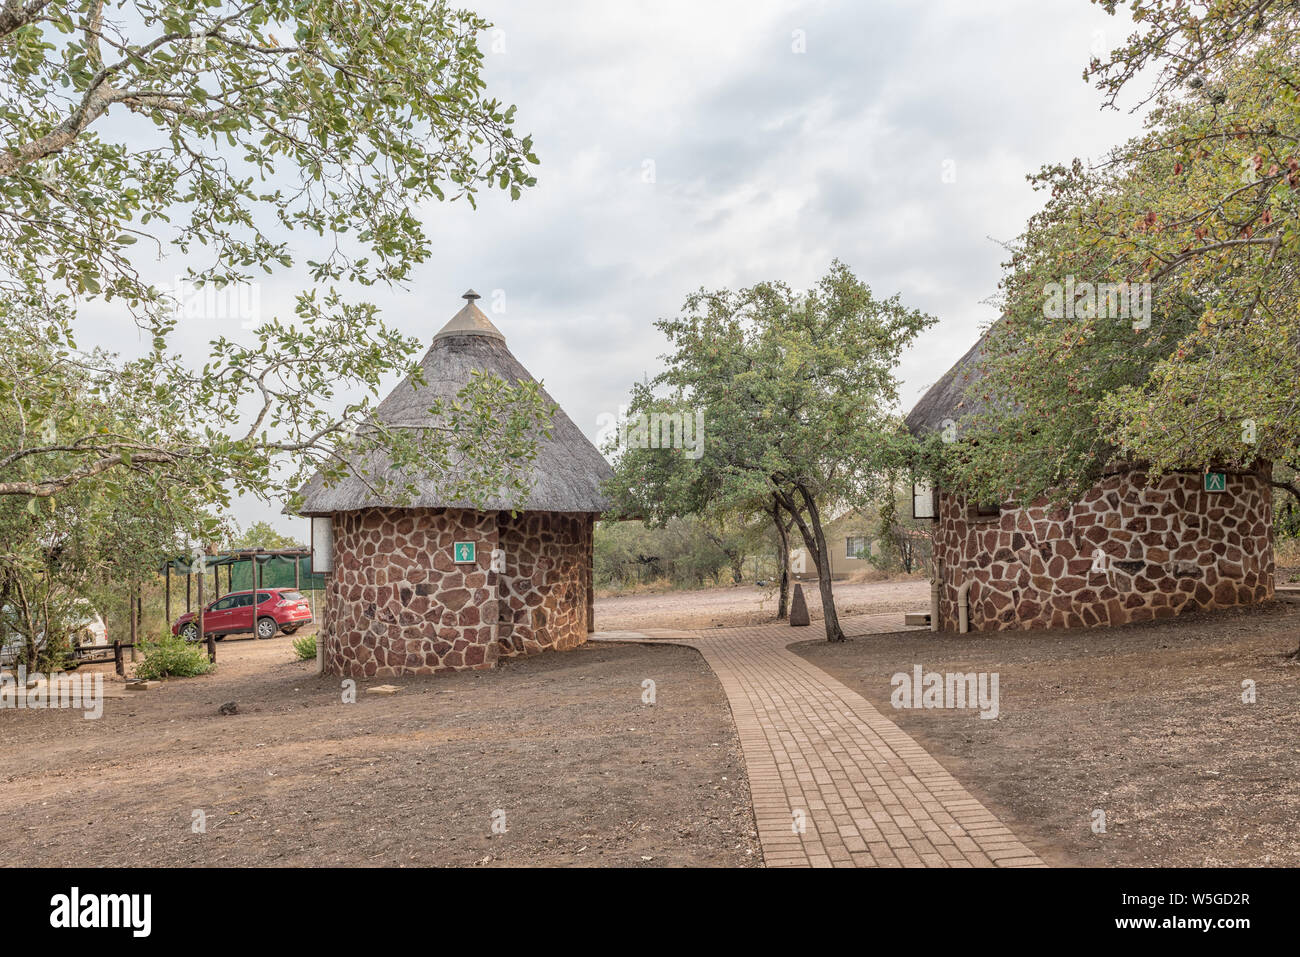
<point>566,474</point>
<point>950,397</point>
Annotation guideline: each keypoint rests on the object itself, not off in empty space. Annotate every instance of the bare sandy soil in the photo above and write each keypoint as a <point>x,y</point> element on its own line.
<point>585,773</point>
<point>1145,723</point>
<point>750,605</point>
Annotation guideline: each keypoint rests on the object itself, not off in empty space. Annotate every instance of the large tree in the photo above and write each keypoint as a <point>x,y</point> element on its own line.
<point>1043,376</point>
<point>88,549</point>
<point>1203,211</point>
<point>207,133</point>
<point>797,393</point>
<point>1222,227</point>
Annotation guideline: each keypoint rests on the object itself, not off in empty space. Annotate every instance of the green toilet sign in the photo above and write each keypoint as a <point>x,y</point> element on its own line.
<point>463,552</point>
<point>1216,482</point>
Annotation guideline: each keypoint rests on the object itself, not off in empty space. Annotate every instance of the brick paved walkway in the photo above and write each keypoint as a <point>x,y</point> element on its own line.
<point>835,783</point>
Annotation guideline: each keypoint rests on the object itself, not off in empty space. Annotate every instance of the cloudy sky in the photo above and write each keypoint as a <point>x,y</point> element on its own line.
<point>893,135</point>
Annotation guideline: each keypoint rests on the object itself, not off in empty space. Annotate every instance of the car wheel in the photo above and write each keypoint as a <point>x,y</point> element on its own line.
<point>190,631</point>
<point>267,627</point>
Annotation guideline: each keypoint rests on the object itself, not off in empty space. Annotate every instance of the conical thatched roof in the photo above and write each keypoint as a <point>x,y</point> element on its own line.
<point>567,472</point>
<point>950,397</point>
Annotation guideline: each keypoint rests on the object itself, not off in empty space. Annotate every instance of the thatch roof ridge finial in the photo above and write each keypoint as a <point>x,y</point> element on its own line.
<point>470,321</point>
<point>566,475</point>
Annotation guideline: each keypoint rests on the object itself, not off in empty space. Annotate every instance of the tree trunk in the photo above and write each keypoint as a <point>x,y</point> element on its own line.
<point>783,535</point>
<point>815,540</point>
<point>737,560</point>
<point>829,615</point>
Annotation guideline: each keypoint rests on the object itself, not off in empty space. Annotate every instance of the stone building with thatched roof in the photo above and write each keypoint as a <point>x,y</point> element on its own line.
<point>1125,551</point>
<point>414,587</point>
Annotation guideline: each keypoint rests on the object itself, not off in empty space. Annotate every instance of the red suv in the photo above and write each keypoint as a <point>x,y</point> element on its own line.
<point>277,610</point>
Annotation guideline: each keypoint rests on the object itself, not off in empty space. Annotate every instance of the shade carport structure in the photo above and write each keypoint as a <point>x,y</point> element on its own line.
<point>194,569</point>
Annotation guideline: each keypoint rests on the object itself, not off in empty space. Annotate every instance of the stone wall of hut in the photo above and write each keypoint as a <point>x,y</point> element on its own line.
<point>397,603</point>
<point>542,599</point>
<point>1124,553</point>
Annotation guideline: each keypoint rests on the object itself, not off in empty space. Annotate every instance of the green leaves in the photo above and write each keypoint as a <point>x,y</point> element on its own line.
<point>1204,207</point>
<point>796,389</point>
<point>354,114</point>
<point>340,98</point>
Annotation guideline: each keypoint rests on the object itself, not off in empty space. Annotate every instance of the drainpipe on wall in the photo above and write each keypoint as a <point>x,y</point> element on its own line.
<point>963,606</point>
<point>935,586</point>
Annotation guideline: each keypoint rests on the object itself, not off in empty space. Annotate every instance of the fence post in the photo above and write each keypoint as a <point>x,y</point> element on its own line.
<point>117,657</point>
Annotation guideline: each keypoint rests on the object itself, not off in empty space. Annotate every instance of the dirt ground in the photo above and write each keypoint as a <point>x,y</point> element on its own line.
<point>1143,722</point>
<point>586,774</point>
<point>750,605</point>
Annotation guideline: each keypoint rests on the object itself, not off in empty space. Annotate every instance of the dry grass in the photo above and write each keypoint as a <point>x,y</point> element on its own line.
<point>867,575</point>
<point>1286,553</point>
<point>656,587</point>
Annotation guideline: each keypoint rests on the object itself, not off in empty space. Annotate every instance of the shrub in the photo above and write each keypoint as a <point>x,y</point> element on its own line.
<point>305,647</point>
<point>54,655</point>
<point>172,657</point>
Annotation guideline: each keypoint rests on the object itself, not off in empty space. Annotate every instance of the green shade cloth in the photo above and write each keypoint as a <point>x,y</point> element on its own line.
<point>274,571</point>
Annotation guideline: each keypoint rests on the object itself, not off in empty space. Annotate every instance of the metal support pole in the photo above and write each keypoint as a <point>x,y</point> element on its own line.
<point>257,583</point>
<point>212,645</point>
<point>137,616</point>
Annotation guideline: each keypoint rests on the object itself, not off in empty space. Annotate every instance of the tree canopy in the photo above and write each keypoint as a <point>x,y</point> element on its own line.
<point>1201,212</point>
<point>206,133</point>
<point>797,397</point>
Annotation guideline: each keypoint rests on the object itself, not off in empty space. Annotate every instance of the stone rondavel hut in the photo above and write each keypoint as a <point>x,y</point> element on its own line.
<point>398,600</point>
<point>1124,552</point>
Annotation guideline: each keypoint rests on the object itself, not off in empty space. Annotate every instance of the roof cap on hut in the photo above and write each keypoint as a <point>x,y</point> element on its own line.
<point>567,473</point>
<point>470,321</point>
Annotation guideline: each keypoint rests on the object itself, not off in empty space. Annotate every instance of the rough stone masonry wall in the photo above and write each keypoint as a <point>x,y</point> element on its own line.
<point>397,603</point>
<point>1166,550</point>
<point>542,597</point>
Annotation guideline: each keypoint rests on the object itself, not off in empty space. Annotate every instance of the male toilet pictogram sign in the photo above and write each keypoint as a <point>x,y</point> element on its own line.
<point>463,553</point>
<point>1216,482</point>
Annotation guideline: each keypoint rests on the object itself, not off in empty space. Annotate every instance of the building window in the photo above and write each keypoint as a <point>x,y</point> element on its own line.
<point>322,544</point>
<point>923,500</point>
<point>983,511</point>
<point>855,546</point>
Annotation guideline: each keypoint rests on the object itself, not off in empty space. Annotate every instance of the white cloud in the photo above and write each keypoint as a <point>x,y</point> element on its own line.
<point>768,163</point>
